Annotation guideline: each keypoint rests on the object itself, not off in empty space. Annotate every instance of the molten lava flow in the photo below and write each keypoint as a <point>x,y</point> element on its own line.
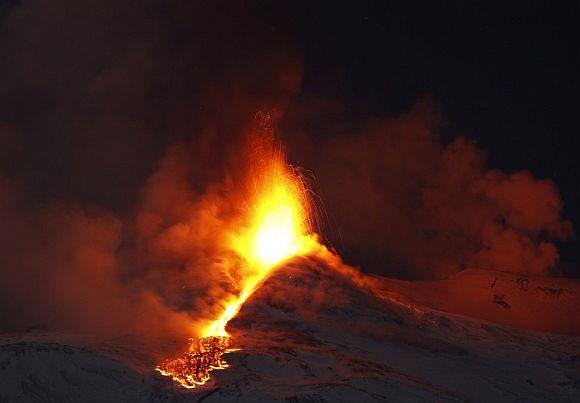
<point>274,228</point>
<point>202,356</point>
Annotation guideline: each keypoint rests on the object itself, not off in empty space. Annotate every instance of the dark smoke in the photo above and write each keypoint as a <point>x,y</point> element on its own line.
<point>91,94</point>
<point>115,122</point>
<point>405,204</point>
<point>61,268</point>
<point>121,126</point>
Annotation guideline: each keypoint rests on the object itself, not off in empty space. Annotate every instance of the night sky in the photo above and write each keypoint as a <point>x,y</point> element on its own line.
<point>91,95</point>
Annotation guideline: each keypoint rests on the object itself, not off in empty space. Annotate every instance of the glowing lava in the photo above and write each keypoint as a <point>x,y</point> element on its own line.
<point>203,356</point>
<point>275,227</point>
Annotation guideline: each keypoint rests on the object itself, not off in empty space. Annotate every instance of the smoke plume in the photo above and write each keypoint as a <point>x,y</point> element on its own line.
<point>402,203</point>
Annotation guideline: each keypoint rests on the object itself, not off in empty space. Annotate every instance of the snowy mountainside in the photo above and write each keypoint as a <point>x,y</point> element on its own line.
<point>312,333</point>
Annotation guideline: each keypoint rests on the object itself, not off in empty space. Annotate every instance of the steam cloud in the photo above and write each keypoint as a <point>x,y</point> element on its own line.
<point>121,138</point>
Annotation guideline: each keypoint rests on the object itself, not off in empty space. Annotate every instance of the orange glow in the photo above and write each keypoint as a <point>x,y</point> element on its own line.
<point>274,228</point>
<point>279,222</point>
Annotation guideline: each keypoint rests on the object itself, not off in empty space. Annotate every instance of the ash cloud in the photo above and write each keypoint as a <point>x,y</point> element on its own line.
<point>403,203</point>
<point>121,139</point>
<point>61,268</point>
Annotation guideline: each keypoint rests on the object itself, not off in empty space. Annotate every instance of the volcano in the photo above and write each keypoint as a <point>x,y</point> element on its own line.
<point>317,330</point>
<point>280,317</point>
<point>285,201</point>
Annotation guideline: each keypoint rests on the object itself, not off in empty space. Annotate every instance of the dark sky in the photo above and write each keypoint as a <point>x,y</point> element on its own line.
<point>91,94</point>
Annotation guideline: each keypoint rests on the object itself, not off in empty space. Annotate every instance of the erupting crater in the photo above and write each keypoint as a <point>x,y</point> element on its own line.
<point>276,226</point>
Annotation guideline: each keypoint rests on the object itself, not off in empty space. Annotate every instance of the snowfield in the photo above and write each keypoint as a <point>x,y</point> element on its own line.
<point>310,334</point>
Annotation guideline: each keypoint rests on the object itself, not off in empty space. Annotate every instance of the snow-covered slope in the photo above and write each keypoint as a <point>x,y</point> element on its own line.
<point>533,303</point>
<point>51,372</point>
<point>311,333</point>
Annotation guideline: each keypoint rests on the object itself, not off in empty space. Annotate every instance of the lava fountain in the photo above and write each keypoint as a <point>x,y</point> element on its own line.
<point>275,226</point>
